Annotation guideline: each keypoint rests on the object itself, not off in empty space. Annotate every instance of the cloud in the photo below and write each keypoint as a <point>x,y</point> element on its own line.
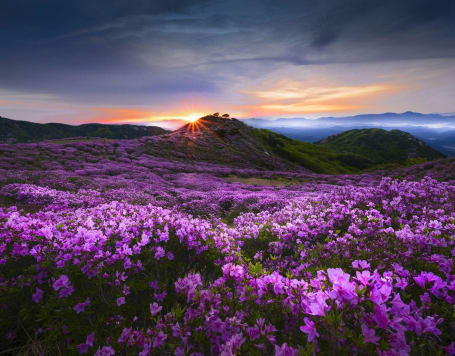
<point>295,97</point>
<point>157,54</point>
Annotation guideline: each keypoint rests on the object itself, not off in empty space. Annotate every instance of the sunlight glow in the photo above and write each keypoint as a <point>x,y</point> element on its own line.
<point>193,117</point>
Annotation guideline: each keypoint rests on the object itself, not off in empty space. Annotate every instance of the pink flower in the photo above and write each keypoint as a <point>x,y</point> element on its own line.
<point>363,277</point>
<point>234,271</point>
<point>159,252</point>
<point>342,285</point>
<point>360,264</point>
<point>155,308</point>
<point>309,329</point>
<point>318,306</point>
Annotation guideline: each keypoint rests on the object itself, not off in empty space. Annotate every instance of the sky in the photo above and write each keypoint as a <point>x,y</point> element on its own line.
<point>163,61</point>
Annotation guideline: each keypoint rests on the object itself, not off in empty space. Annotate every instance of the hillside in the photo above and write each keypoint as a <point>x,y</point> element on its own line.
<point>13,131</point>
<point>228,141</point>
<point>381,146</point>
<point>436,130</point>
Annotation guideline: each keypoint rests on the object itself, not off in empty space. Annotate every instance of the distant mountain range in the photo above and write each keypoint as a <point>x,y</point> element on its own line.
<point>13,131</point>
<point>437,130</point>
<point>231,142</point>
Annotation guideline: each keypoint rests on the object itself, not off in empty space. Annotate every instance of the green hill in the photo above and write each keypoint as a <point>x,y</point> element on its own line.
<point>314,157</point>
<point>13,131</point>
<point>381,146</point>
<point>230,142</point>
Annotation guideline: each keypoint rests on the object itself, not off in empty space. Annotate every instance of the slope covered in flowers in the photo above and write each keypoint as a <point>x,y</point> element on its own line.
<point>105,251</point>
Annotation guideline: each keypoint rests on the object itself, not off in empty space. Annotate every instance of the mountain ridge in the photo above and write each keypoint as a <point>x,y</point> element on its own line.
<point>231,142</point>
<point>17,131</point>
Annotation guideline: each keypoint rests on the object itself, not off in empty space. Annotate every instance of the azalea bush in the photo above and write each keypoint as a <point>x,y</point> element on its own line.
<point>164,259</point>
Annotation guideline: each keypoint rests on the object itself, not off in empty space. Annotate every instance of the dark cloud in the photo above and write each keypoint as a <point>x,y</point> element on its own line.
<point>162,47</point>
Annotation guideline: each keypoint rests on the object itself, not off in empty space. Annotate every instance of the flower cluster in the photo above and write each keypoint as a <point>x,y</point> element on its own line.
<point>116,252</point>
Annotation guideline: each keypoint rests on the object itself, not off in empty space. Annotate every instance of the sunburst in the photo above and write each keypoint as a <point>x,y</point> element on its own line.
<point>193,117</point>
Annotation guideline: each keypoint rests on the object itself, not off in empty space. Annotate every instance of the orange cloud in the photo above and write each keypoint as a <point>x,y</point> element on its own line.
<point>132,115</point>
<point>120,115</point>
<point>293,97</point>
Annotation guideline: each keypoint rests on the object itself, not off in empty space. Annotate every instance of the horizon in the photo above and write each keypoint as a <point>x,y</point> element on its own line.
<point>311,122</point>
<point>146,63</point>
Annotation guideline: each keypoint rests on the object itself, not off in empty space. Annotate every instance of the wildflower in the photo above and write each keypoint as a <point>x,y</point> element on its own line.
<point>369,335</point>
<point>310,329</point>
<point>63,285</point>
<point>155,308</point>
<point>79,308</point>
<point>37,296</point>
<point>285,350</point>
<point>159,252</point>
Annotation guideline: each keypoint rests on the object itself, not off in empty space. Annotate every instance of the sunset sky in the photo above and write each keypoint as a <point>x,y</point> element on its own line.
<point>163,60</point>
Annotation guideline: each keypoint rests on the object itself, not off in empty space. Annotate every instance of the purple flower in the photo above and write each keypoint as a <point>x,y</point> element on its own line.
<point>360,264</point>
<point>234,271</point>
<point>159,252</point>
<point>83,348</point>
<point>450,349</point>
<point>120,301</point>
<point>369,335</point>
<point>310,329</point>
<point>380,316</point>
<point>155,308</point>
<point>63,285</point>
<point>37,296</point>
<point>285,350</point>
<point>159,339</point>
<point>105,351</point>
<point>79,308</point>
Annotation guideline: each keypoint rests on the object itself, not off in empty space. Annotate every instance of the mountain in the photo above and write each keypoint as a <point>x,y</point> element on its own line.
<point>12,131</point>
<point>437,130</point>
<point>381,146</point>
<point>228,141</point>
<point>408,118</point>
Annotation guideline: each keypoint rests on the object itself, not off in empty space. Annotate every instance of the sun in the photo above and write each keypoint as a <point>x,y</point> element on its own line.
<point>193,117</point>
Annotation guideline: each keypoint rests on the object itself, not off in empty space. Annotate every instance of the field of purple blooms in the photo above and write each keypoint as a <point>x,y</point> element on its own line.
<point>105,249</point>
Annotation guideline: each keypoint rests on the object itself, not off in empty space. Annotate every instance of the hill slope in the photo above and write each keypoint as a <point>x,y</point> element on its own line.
<point>12,131</point>
<point>228,141</point>
<point>381,146</point>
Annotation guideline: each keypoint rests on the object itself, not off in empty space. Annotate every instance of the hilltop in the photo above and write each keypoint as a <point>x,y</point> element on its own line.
<point>15,131</point>
<point>381,146</point>
<point>228,141</point>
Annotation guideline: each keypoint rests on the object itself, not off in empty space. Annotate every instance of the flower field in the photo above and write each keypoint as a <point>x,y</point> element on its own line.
<point>107,250</point>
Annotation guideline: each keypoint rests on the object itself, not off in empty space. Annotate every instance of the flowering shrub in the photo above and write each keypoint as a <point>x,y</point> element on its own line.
<point>334,265</point>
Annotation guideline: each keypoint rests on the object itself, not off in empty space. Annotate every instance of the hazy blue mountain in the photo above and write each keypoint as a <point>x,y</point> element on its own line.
<point>437,130</point>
